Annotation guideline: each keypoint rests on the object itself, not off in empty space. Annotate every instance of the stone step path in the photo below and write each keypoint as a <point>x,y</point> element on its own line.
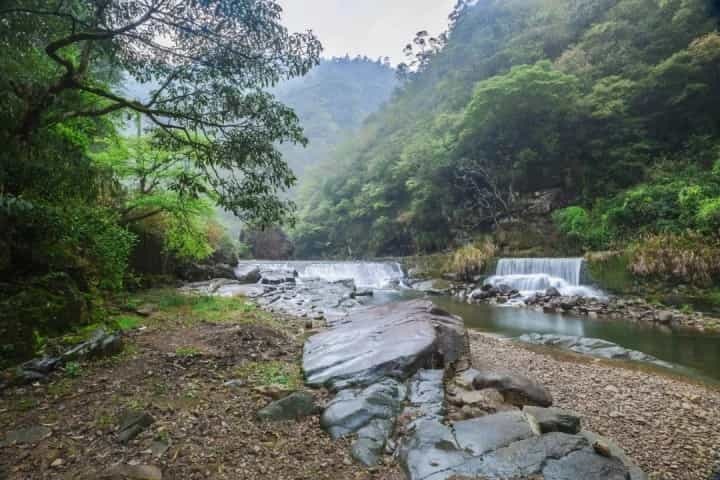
<point>389,366</point>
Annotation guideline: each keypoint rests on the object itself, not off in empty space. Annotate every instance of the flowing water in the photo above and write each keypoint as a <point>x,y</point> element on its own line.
<point>534,275</point>
<point>365,274</point>
<point>697,351</point>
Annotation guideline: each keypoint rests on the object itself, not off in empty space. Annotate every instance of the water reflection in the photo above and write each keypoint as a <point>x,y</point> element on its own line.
<point>695,350</point>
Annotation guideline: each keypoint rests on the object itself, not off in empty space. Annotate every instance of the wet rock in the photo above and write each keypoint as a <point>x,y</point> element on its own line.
<point>665,317</point>
<point>392,340</point>
<point>247,273</point>
<point>546,420</point>
<point>525,457</point>
<point>552,292</point>
<point>432,287</point>
<point>277,277</point>
<point>26,436</point>
<point>132,423</point>
<point>294,406</point>
<point>430,452</point>
<point>516,389</point>
<point>248,291</point>
<point>43,365</point>
<point>132,472</point>
<point>481,435</point>
<point>591,346</point>
<point>426,394</point>
<point>635,472</point>
<point>371,441</point>
<point>587,465</point>
<point>363,293</point>
<point>354,409</point>
<point>100,344</point>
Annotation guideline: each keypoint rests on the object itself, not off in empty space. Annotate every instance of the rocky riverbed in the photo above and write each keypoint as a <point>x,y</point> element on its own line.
<point>404,387</point>
<point>551,301</point>
<point>668,425</point>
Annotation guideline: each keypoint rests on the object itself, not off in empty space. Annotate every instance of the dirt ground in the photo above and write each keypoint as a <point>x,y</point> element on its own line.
<point>175,371</point>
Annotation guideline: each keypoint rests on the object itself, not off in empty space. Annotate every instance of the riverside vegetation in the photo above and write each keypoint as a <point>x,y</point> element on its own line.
<point>140,137</point>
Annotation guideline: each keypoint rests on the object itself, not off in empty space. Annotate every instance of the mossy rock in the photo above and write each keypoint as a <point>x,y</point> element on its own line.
<point>39,308</point>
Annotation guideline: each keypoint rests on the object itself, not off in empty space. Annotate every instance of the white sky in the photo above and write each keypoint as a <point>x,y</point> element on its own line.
<point>376,28</point>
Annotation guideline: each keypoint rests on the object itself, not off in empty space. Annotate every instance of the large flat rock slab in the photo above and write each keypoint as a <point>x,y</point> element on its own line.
<point>392,341</point>
<point>500,447</point>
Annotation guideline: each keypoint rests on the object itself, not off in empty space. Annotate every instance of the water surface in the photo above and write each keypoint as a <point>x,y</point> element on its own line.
<point>697,351</point>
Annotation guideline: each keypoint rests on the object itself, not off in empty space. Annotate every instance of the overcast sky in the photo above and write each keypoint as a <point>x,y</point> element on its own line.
<point>376,28</point>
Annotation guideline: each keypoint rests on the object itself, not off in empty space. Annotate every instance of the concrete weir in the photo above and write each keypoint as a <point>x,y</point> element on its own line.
<point>390,367</point>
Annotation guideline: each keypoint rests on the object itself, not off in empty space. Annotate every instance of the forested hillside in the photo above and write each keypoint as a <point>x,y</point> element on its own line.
<point>332,101</point>
<point>612,102</point>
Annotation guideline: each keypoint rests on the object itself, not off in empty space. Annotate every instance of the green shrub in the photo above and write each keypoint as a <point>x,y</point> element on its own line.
<point>472,259</point>
<point>580,227</point>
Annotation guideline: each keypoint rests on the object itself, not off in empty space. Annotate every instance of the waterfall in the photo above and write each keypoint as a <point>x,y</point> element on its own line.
<point>533,275</point>
<point>364,274</point>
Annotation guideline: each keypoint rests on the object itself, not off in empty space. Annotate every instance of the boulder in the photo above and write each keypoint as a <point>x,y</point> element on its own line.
<point>516,389</point>
<point>430,450</point>
<point>426,394</point>
<point>294,406</point>
<point>277,277</point>
<point>433,287</point>
<point>354,409</point>
<point>393,340</point>
<point>552,292</point>
<point>245,273</point>
<point>665,317</point>
<point>591,346</point>
<point>100,344</point>
<point>615,451</point>
<point>371,440</point>
<point>132,423</point>
<point>546,420</point>
<point>481,435</point>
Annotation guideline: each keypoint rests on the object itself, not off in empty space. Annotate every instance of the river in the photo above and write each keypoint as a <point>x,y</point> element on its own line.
<point>698,353</point>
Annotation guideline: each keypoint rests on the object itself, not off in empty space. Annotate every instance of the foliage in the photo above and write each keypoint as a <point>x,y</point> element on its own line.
<point>687,258</point>
<point>73,369</point>
<point>576,223</point>
<point>74,195</point>
<point>601,100</point>
<point>209,97</point>
<point>472,259</point>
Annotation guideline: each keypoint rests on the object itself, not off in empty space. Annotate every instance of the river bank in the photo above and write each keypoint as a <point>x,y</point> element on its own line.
<point>200,369</point>
<point>666,424</point>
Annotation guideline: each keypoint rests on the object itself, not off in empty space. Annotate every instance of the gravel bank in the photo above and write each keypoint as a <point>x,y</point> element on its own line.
<point>669,426</point>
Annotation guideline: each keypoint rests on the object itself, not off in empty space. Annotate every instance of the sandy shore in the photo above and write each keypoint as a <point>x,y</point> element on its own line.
<point>668,425</point>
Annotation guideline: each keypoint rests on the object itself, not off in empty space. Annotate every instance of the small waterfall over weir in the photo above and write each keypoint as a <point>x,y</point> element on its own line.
<point>533,275</point>
<point>365,274</point>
